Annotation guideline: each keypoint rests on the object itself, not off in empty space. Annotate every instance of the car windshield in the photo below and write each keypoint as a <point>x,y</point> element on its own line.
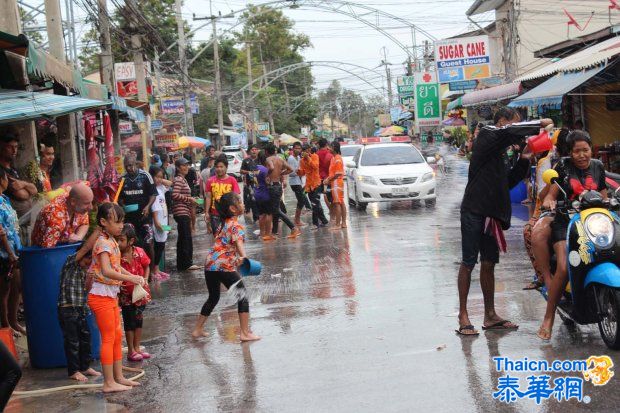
<point>396,155</point>
<point>349,150</point>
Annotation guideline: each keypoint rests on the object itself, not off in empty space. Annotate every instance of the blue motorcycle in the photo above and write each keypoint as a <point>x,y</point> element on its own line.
<point>593,253</point>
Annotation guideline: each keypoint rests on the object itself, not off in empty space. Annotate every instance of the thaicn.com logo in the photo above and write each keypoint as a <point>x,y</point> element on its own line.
<point>540,385</point>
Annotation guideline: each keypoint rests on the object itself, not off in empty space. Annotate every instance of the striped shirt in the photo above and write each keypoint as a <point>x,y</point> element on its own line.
<point>181,197</point>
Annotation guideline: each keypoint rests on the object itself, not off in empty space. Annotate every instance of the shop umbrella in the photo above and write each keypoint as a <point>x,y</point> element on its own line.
<point>193,142</point>
<point>288,139</point>
<point>393,130</point>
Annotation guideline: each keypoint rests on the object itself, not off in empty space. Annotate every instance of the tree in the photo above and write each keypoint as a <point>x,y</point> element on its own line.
<point>274,44</point>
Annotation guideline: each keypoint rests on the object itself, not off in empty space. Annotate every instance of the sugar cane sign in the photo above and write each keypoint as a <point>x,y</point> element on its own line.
<point>405,85</point>
<point>465,58</point>
<point>428,107</point>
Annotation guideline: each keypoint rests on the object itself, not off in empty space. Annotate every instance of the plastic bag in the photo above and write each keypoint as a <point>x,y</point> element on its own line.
<point>138,293</point>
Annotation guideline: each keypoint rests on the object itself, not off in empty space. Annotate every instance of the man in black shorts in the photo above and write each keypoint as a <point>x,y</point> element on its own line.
<point>138,189</point>
<point>247,167</point>
<point>486,210</point>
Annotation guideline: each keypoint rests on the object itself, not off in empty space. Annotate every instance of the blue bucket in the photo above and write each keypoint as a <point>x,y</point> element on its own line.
<point>41,268</point>
<point>250,267</point>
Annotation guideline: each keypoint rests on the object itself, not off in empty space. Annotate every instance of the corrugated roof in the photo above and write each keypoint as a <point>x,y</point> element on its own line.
<point>17,105</point>
<point>592,56</point>
<point>483,6</point>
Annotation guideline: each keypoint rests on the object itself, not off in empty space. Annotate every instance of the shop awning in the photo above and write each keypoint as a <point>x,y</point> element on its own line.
<point>17,105</point>
<point>492,94</point>
<point>553,90</point>
<point>43,65</point>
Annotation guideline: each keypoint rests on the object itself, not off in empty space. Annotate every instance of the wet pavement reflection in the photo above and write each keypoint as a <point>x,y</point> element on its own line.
<point>354,320</point>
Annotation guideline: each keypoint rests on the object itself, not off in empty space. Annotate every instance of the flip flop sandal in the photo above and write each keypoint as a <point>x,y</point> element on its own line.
<point>500,325</point>
<point>467,327</point>
<point>534,285</point>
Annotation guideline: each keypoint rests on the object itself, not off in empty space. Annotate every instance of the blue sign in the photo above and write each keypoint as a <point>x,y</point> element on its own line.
<point>463,85</point>
<point>157,124</point>
<point>451,74</point>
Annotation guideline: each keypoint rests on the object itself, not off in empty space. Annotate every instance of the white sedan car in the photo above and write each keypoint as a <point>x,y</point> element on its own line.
<point>390,172</point>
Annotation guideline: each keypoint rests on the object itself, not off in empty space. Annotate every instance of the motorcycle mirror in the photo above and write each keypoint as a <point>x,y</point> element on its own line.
<point>549,176</point>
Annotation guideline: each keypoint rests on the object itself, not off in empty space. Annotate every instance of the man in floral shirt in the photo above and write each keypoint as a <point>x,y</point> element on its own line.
<point>65,219</point>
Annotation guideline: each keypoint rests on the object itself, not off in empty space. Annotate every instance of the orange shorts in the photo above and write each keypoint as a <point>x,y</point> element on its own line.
<point>338,191</point>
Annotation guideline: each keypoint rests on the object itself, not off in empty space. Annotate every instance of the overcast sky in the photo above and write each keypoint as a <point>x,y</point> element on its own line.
<point>337,37</point>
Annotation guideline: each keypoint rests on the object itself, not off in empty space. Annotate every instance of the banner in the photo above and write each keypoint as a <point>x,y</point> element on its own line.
<point>428,105</point>
<point>169,139</point>
<point>125,71</point>
<point>125,127</point>
<point>172,105</point>
<point>466,58</point>
<point>263,128</point>
<point>405,85</point>
<point>157,124</point>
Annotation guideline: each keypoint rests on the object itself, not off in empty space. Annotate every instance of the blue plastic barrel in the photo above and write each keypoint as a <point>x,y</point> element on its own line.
<point>518,193</point>
<point>41,268</point>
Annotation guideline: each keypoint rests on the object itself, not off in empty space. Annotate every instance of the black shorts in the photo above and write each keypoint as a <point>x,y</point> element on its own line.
<point>264,207</point>
<point>275,195</point>
<point>559,228</point>
<point>328,193</point>
<point>132,316</point>
<point>475,242</point>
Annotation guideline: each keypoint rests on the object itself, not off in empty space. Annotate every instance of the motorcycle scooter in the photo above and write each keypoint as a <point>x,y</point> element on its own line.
<point>593,253</point>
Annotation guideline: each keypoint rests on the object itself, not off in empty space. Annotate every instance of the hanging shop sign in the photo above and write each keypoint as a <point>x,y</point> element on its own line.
<point>405,85</point>
<point>428,107</point>
<point>169,139</point>
<point>407,101</point>
<point>172,105</point>
<point>263,128</point>
<point>127,71</point>
<point>125,127</point>
<point>466,58</point>
<point>157,124</point>
<point>193,104</point>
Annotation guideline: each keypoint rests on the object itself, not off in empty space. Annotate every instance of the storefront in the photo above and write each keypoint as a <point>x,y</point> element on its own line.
<point>482,104</point>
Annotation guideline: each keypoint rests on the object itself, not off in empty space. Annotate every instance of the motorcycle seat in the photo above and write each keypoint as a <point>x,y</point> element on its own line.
<point>615,177</point>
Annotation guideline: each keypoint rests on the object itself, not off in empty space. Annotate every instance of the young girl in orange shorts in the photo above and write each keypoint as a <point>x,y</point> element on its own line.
<point>107,275</point>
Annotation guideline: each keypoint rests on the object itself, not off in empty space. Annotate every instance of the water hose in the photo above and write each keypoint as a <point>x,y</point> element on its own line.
<point>30,393</point>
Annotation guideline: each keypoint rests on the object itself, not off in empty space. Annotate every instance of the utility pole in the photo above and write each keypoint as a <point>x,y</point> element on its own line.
<point>188,117</point>
<point>250,108</point>
<point>106,67</point>
<point>269,106</point>
<point>287,99</point>
<point>67,131</point>
<point>388,75</point>
<point>427,55</point>
<point>138,61</point>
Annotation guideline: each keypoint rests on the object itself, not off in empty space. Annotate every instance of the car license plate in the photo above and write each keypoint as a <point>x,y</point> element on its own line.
<point>400,191</point>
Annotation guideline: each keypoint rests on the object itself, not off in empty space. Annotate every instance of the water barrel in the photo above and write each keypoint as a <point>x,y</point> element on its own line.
<point>518,193</point>
<point>41,268</point>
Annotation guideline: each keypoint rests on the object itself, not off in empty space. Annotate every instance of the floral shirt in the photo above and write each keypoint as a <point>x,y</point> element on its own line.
<point>9,222</point>
<point>223,255</point>
<point>55,223</point>
<point>140,261</point>
<point>105,243</point>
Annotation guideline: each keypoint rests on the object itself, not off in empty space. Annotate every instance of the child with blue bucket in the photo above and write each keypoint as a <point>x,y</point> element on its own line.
<point>221,264</point>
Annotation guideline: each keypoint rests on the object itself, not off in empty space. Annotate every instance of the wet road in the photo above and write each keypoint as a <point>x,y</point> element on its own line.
<point>361,320</point>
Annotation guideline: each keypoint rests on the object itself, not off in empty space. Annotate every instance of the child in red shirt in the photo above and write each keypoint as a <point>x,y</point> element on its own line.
<point>134,260</point>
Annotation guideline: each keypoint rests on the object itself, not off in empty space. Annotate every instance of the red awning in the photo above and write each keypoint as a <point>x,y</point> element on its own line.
<point>133,141</point>
<point>492,94</point>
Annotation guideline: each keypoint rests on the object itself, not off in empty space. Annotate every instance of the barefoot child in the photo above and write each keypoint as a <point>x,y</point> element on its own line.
<point>135,261</point>
<point>72,312</point>
<point>107,275</point>
<point>221,265</point>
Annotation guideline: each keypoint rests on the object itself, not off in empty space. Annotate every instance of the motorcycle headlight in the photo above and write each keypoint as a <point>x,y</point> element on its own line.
<point>367,180</point>
<point>600,229</point>
<point>428,176</point>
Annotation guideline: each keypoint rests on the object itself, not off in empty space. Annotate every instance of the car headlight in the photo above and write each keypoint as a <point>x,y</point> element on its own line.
<point>367,180</point>
<point>428,176</point>
<point>600,229</point>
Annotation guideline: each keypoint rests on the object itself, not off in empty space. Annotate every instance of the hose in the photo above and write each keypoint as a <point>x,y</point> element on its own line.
<point>30,393</point>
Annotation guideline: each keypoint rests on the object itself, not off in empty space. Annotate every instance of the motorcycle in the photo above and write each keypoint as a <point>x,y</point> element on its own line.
<point>593,253</point>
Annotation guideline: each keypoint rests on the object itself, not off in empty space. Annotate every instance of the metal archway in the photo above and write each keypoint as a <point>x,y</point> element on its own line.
<point>360,12</point>
<point>272,76</point>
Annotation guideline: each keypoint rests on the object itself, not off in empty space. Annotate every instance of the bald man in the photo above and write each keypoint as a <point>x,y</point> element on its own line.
<point>65,219</point>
